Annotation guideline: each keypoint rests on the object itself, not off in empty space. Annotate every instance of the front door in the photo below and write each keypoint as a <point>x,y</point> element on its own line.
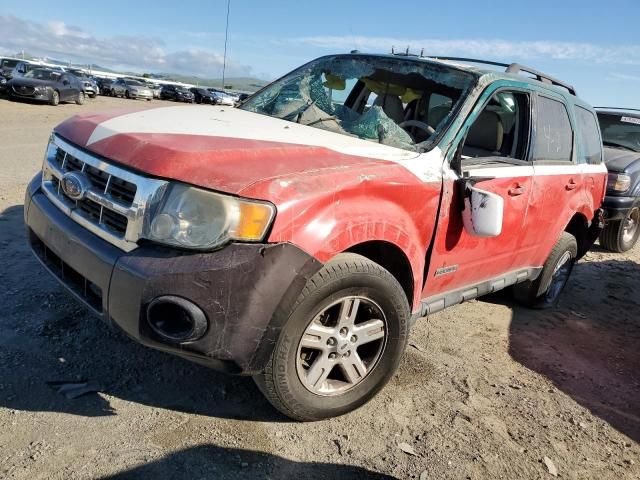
<point>494,152</point>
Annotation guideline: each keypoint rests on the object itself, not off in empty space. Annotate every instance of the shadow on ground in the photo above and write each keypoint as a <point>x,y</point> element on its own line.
<point>211,461</point>
<point>588,347</point>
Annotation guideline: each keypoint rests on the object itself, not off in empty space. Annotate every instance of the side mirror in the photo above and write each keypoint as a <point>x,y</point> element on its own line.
<point>482,212</point>
<point>65,82</point>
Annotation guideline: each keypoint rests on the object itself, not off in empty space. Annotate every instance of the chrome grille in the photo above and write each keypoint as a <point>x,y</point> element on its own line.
<point>114,206</point>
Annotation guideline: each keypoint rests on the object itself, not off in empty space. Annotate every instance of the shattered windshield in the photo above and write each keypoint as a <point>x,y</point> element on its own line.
<point>399,102</point>
<point>620,130</point>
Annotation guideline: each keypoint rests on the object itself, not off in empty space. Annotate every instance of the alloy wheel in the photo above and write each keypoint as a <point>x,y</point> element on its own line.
<point>341,346</point>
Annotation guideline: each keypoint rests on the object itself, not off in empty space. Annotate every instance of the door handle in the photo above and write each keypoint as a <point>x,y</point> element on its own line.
<point>571,185</point>
<point>515,191</point>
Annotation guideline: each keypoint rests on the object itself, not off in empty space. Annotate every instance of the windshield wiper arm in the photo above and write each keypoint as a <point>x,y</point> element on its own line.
<point>618,145</point>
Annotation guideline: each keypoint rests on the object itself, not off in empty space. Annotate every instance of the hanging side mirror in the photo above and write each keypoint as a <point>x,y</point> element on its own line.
<point>482,211</point>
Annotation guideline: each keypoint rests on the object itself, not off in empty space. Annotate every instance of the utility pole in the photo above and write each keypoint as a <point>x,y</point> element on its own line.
<point>226,34</point>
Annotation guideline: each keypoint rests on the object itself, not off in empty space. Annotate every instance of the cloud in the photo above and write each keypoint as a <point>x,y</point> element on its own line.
<point>61,41</point>
<point>623,76</point>
<point>488,48</point>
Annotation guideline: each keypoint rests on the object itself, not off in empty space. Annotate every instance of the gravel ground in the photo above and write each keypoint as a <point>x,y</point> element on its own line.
<point>487,389</point>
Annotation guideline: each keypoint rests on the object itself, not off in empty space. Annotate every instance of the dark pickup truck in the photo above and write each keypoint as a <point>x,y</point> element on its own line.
<point>621,138</point>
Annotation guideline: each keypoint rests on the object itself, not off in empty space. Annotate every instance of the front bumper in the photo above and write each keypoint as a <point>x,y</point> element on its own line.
<point>617,207</point>
<point>144,96</point>
<point>37,96</point>
<point>245,290</point>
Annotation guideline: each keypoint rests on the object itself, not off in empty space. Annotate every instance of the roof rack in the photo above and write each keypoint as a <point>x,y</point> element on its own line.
<point>514,68</point>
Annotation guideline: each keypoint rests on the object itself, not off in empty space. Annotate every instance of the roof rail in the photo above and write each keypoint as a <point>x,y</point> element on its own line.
<point>515,68</point>
<point>618,108</point>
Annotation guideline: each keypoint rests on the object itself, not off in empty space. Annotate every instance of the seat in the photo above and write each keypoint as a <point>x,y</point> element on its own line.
<point>391,106</point>
<point>485,136</point>
<point>437,114</point>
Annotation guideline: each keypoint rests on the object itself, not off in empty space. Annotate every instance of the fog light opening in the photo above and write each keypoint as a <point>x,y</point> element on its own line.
<point>176,319</point>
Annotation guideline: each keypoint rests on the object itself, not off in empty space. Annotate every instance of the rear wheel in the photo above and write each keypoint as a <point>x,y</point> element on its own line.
<point>544,291</point>
<point>55,98</point>
<point>622,235</point>
<point>126,94</point>
<point>342,342</point>
<point>80,99</point>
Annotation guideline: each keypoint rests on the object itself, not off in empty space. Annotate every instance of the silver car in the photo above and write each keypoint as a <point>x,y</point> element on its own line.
<point>125,87</point>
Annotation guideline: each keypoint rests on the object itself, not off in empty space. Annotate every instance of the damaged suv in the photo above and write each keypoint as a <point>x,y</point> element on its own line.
<point>298,237</point>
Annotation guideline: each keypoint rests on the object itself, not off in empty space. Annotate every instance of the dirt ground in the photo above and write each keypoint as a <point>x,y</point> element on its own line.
<point>487,389</point>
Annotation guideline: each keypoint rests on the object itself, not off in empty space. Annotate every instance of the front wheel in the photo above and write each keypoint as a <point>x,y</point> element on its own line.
<point>55,98</point>
<point>622,235</point>
<point>544,291</point>
<point>80,99</point>
<point>342,342</point>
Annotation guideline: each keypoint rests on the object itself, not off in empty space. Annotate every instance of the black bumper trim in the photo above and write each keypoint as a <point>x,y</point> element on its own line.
<point>616,208</point>
<point>246,290</point>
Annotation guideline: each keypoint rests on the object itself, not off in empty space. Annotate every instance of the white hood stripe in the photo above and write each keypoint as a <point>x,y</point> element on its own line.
<point>233,123</point>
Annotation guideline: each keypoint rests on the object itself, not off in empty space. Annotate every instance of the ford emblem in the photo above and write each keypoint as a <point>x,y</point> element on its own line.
<point>75,185</point>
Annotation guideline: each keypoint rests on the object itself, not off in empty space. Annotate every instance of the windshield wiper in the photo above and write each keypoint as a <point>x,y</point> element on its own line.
<point>618,145</point>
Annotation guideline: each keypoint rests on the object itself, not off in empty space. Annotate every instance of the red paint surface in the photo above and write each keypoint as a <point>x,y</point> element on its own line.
<point>328,202</point>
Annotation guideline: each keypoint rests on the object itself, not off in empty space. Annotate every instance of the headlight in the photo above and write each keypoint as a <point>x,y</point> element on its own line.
<point>190,217</point>
<point>41,89</point>
<point>620,182</point>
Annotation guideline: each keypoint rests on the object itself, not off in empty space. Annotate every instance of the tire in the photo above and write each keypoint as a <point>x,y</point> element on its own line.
<point>622,235</point>
<point>126,94</point>
<point>113,93</point>
<point>93,95</point>
<point>80,99</point>
<point>346,282</point>
<point>55,98</point>
<point>544,291</point>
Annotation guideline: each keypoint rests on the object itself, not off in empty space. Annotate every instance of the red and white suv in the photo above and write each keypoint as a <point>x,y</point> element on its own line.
<point>298,237</point>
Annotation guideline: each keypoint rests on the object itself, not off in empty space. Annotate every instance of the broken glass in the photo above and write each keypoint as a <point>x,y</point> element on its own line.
<point>366,96</point>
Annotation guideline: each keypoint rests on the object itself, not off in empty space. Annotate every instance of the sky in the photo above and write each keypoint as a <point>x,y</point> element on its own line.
<point>591,44</point>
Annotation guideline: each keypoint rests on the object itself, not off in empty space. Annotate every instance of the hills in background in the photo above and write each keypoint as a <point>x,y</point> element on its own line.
<point>242,84</point>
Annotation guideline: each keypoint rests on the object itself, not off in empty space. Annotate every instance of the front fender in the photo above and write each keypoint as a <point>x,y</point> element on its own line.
<point>328,214</point>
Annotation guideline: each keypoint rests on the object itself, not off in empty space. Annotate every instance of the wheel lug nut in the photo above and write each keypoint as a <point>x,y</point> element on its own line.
<point>331,341</point>
<point>344,331</point>
<point>332,356</point>
<point>348,353</point>
<point>354,339</point>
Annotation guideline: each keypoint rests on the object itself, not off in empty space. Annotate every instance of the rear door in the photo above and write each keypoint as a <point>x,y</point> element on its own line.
<point>558,183</point>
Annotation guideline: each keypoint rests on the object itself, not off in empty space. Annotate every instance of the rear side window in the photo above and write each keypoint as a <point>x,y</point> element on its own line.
<point>554,136</point>
<point>589,136</point>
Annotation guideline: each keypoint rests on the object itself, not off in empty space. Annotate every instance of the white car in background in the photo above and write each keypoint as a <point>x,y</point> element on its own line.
<point>222,98</point>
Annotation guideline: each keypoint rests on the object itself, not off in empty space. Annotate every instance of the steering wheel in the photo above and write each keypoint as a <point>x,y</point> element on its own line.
<point>421,125</point>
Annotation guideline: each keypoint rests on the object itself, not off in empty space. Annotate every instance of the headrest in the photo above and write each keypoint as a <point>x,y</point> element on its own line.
<point>486,132</point>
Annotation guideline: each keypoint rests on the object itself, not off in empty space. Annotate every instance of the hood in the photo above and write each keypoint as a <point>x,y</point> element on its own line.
<point>620,160</point>
<point>224,149</point>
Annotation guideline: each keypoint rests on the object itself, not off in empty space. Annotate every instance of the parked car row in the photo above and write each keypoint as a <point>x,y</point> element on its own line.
<point>132,88</point>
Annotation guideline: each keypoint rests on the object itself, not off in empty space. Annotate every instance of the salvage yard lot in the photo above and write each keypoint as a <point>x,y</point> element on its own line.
<point>486,390</point>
